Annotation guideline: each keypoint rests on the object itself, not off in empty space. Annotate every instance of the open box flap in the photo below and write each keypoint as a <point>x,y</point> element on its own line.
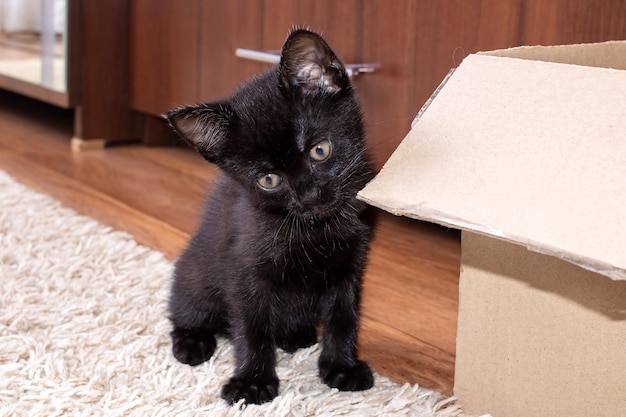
<point>522,150</point>
<point>610,54</point>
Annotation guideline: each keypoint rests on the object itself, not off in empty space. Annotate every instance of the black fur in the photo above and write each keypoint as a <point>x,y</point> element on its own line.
<point>273,260</point>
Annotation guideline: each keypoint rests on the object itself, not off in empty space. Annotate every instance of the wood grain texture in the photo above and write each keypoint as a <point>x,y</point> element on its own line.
<point>410,291</point>
<point>222,71</point>
<point>165,54</point>
<point>101,80</point>
<point>572,21</point>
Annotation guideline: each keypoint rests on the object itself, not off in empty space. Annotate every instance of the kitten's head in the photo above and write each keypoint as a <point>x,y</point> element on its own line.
<point>293,137</point>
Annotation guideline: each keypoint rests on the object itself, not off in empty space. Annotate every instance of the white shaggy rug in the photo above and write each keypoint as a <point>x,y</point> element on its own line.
<point>83,331</point>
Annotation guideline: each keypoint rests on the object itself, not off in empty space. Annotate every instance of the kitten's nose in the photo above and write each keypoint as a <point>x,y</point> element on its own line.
<point>315,195</point>
<point>311,197</point>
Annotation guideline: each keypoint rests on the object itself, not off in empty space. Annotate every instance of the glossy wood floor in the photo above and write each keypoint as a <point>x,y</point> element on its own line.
<point>411,287</point>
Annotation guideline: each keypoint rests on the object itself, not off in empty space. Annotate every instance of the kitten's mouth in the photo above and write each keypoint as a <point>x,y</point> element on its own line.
<point>318,213</point>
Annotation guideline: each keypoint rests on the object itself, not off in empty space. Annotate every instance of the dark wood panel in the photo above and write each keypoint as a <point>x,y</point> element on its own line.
<point>227,26</point>
<point>389,39</point>
<point>573,21</point>
<point>339,22</point>
<point>101,70</point>
<point>165,54</point>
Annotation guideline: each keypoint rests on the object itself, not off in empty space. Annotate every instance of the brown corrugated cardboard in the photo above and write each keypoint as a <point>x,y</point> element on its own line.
<point>602,55</point>
<point>521,152</point>
<point>537,336</point>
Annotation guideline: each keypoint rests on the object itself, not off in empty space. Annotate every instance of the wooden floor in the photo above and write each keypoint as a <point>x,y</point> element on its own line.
<point>411,287</point>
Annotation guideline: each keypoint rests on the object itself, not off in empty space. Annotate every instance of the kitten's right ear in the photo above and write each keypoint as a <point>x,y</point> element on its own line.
<point>308,64</point>
<point>203,126</point>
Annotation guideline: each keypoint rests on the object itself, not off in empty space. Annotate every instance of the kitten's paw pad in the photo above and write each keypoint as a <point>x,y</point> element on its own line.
<point>356,378</point>
<point>253,391</point>
<point>192,346</point>
<point>301,338</point>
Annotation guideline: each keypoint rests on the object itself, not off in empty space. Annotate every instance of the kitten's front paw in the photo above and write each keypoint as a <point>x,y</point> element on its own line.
<point>192,346</point>
<point>356,378</point>
<point>253,391</point>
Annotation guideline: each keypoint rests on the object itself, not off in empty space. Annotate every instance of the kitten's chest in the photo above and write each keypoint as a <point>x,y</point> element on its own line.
<point>314,258</point>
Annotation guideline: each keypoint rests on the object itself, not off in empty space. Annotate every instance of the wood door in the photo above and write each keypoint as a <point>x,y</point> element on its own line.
<point>165,54</point>
<point>226,26</point>
<point>337,21</point>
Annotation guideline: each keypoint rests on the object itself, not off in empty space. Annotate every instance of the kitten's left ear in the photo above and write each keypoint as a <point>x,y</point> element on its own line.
<point>308,63</point>
<point>204,126</point>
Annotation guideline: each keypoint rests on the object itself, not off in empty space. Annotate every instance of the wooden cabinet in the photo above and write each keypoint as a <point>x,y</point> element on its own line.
<point>183,52</point>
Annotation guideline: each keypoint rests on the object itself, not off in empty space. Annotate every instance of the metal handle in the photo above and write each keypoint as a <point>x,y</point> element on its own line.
<point>273,57</point>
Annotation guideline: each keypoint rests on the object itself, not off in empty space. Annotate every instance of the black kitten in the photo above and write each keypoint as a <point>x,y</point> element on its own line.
<point>283,243</point>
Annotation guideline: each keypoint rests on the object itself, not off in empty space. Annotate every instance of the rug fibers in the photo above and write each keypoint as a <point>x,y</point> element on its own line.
<point>83,331</point>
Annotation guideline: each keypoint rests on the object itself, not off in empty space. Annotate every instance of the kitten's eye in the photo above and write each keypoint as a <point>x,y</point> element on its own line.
<point>270,181</point>
<point>321,151</point>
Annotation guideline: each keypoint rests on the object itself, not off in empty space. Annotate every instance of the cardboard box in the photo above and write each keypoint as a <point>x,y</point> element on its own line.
<point>525,151</point>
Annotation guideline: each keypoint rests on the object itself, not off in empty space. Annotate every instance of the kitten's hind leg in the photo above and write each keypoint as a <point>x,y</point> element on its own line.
<point>295,326</point>
<point>195,326</point>
<point>293,339</point>
<point>192,346</point>
<point>193,337</point>
<point>197,313</point>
